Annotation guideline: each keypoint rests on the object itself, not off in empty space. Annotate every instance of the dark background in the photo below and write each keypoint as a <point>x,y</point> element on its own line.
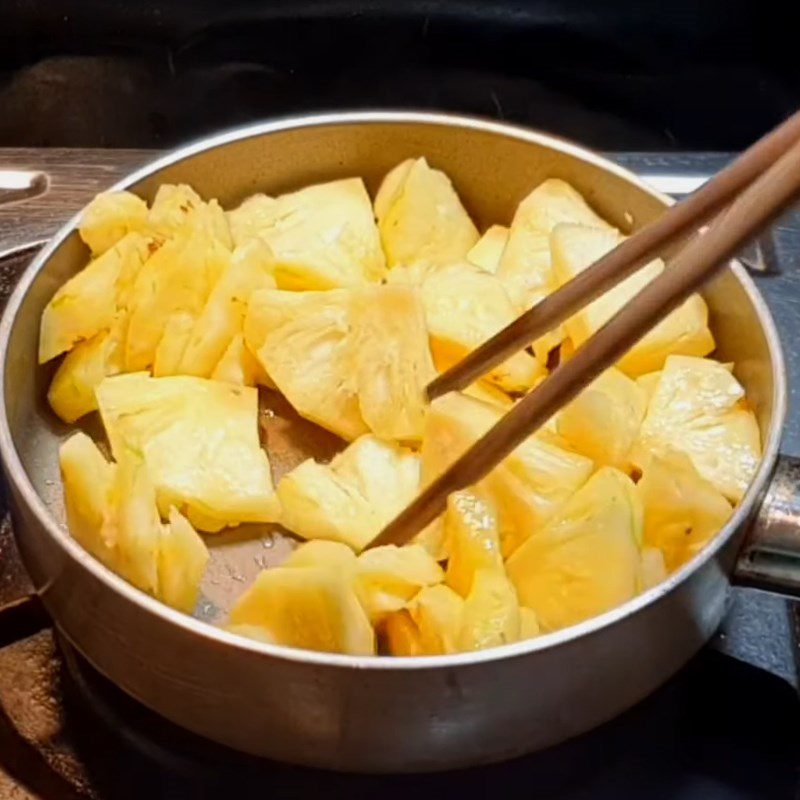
<point>676,74</point>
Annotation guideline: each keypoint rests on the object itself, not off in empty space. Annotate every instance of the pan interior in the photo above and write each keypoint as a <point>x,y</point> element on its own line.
<point>491,171</point>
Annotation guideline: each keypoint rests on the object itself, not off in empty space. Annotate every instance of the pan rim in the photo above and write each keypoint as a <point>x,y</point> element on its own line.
<point>17,476</point>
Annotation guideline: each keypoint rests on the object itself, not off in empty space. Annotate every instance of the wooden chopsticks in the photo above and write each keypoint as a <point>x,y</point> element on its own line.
<point>771,189</point>
<point>679,220</point>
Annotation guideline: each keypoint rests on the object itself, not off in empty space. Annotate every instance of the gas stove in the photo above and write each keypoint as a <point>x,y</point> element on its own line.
<point>727,726</point>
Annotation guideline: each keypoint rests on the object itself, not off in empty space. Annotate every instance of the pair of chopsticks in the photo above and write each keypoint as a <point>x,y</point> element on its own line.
<point>742,199</point>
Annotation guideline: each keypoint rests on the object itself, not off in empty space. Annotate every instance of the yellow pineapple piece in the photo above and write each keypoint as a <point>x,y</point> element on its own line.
<point>182,559</point>
<point>526,488</point>
<point>648,383</point>
<point>351,499</point>
<point>177,207</point>
<point>110,217</point>
<point>697,408</point>
<point>525,266</point>
<point>585,560</point>
<point>88,480</point>
<point>421,218</point>
<point>200,442</point>
<point>88,303</point>
<point>72,390</point>
<point>489,248</point>
<point>491,615</point>
<point>434,540</point>
<point>388,577</point>
<point>238,365</point>
<point>223,315</point>
<point>488,393</point>
<point>652,569</point>
<point>322,237</point>
<point>172,345</point>
<point>322,553</point>
<point>302,339</point>
<point>178,277</point>
<point>603,421</point>
<point>684,331</point>
<point>465,306</point>
<point>682,511</point>
<point>255,632</point>
<point>392,360</point>
<point>400,635</point>
<point>437,611</point>
<point>112,513</point>
<point>528,623</point>
<point>314,608</point>
<point>473,540</point>
<point>137,523</point>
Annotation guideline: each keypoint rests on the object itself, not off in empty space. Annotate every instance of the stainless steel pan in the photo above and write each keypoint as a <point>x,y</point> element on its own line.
<point>379,714</point>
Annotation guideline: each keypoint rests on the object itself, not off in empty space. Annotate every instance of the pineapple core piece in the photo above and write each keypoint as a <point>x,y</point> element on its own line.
<point>354,497</point>
<point>488,250</point>
<point>697,408</point>
<point>199,439</point>
<point>585,560</point>
<point>684,331</point>
<point>322,237</point>
<point>421,218</point>
<point>490,617</point>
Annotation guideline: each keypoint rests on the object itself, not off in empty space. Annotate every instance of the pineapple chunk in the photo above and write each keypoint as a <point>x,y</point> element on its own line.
<point>388,577</point>
<point>488,393</point>
<point>321,553</point>
<point>314,608</point>
<point>603,421</point>
<point>110,217</point>
<point>200,442</point>
<point>465,306</point>
<point>302,340</point>
<point>71,393</point>
<point>392,360</point>
<point>684,331</point>
<point>177,207</point>
<point>172,345</point>
<point>400,635</point>
<point>652,569</point>
<point>682,511</point>
<point>322,237</point>
<point>437,611</point>
<point>182,559</point>
<point>178,277</point>
<point>526,488</point>
<point>473,539</point>
<point>586,559</point>
<point>648,383</point>
<point>85,305</point>
<point>525,266</point>
<point>421,218</point>
<point>238,365</point>
<point>111,512</point>
<point>224,312</point>
<point>697,409</point>
<point>354,497</point>
<point>528,623</point>
<point>490,616</point>
<point>88,480</point>
<point>489,248</point>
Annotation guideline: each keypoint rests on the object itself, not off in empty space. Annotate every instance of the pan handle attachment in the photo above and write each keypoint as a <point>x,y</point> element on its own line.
<point>770,556</point>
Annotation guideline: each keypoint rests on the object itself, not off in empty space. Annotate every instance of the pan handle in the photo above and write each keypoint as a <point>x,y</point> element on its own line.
<point>770,556</point>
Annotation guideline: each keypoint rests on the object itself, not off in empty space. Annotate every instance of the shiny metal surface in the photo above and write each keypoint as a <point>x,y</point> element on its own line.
<point>371,714</point>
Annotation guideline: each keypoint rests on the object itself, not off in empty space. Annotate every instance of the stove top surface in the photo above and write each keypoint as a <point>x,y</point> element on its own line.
<point>727,726</point>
